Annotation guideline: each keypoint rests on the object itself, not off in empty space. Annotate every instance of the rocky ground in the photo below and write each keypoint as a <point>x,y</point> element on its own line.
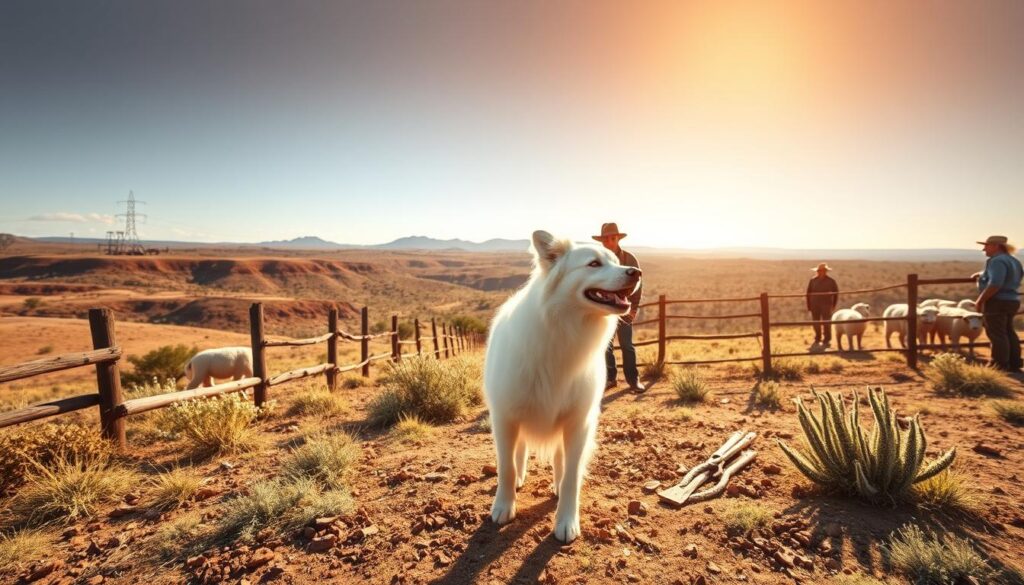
<point>421,512</point>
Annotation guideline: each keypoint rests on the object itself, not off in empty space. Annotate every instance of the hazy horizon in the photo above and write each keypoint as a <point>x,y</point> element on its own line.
<point>694,125</point>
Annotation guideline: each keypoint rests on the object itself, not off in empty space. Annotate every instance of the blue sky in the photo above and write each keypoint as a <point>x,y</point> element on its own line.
<point>691,124</point>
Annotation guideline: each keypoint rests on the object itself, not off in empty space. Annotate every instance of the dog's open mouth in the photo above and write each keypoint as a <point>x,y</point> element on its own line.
<point>613,298</point>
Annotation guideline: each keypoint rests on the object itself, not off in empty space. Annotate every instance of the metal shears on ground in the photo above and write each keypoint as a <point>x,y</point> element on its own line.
<point>728,460</point>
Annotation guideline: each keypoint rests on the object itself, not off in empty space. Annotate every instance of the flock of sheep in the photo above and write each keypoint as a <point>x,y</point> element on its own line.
<point>936,319</point>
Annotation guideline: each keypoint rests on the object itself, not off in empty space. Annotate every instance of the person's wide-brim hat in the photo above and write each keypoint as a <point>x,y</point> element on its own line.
<point>820,266</point>
<point>609,229</point>
<point>997,240</point>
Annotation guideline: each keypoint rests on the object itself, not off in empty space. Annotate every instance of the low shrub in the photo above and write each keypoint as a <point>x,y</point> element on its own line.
<point>173,488</point>
<point>432,390</point>
<point>163,363</point>
<point>410,429</point>
<point>690,385</point>
<point>351,382</point>
<point>68,490</point>
<point>950,491</point>
<point>925,559</point>
<point>950,373</point>
<point>282,504</point>
<point>742,517</point>
<point>324,458</point>
<point>222,424</point>
<point>787,370</point>
<point>1011,412</point>
<point>22,546</point>
<point>767,393</point>
<point>45,445</point>
<point>315,401</point>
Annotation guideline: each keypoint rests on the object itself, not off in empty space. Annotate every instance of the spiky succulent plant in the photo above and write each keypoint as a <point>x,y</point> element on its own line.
<point>839,454</point>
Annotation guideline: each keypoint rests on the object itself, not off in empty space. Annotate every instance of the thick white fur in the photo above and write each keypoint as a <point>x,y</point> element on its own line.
<point>851,330</point>
<point>955,323</point>
<point>544,372</point>
<point>926,316</point>
<point>222,362</point>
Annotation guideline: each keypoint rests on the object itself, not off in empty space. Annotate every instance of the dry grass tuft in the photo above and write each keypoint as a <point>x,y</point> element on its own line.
<point>951,374</point>
<point>690,385</point>
<point>767,393</point>
<point>742,517</point>
<point>950,491</point>
<point>281,504</point>
<point>351,383</point>
<point>925,559</point>
<point>173,488</point>
<point>411,429</point>
<point>323,458</point>
<point>1011,412</point>
<point>69,490</point>
<point>436,392</point>
<point>222,424</point>
<point>46,445</point>
<point>315,401</point>
<point>23,546</point>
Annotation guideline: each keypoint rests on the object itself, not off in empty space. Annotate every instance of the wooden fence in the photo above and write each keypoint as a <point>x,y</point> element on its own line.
<point>762,331</point>
<point>114,409</point>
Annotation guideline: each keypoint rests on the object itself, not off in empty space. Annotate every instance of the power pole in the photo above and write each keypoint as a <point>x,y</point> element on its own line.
<point>129,239</point>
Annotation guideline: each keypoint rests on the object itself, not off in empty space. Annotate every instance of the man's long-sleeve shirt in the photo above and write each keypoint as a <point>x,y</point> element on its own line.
<point>822,285</point>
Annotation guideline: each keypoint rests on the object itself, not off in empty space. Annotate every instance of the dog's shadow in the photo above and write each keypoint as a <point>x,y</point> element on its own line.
<point>490,542</point>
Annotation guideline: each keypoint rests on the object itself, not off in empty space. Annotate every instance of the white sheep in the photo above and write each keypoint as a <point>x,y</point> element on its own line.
<point>926,317</point>
<point>936,303</point>
<point>968,305</point>
<point>956,323</point>
<point>222,362</point>
<point>856,312</point>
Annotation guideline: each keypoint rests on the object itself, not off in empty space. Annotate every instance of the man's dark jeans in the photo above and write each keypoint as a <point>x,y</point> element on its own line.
<point>1000,331</point>
<point>822,314</point>
<point>625,334</point>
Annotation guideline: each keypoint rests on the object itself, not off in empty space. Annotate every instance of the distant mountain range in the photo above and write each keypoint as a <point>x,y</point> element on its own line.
<point>504,245</point>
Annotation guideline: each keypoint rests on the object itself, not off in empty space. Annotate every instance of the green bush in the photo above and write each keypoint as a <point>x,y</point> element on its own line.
<point>164,363</point>
<point>469,324</point>
<point>838,454</point>
<point>434,391</point>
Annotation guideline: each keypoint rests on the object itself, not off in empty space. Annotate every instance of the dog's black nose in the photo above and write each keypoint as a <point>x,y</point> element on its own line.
<point>631,272</point>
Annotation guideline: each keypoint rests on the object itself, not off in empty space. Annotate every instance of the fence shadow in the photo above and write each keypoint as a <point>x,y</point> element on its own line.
<point>491,542</point>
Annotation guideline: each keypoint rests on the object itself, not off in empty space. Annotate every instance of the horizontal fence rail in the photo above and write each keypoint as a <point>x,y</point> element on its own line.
<point>114,409</point>
<point>911,350</point>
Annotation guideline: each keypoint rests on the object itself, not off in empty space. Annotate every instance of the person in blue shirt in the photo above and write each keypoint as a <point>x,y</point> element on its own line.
<point>999,301</point>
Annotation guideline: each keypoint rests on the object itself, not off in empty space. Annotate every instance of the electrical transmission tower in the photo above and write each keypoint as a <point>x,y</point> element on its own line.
<point>128,243</point>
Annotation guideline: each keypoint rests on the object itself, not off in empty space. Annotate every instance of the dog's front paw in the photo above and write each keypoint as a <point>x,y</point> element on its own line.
<point>567,529</point>
<point>503,512</point>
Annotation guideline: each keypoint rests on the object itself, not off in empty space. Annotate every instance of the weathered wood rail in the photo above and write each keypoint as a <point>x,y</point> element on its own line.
<point>114,409</point>
<point>763,335</point>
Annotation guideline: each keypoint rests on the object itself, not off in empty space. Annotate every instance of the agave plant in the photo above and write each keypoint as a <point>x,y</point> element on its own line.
<point>840,455</point>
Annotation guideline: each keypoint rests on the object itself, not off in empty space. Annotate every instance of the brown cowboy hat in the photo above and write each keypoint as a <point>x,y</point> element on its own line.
<point>609,229</point>
<point>820,266</point>
<point>999,241</point>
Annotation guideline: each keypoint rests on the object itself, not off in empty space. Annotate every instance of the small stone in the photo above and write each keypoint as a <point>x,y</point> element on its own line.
<point>785,558</point>
<point>489,470</point>
<point>435,477</point>
<point>442,559</point>
<point>636,508</point>
<point>771,469</point>
<point>259,558</point>
<point>226,466</point>
<point>94,580</point>
<point>205,493</point>
<point>690,551</point>
<point>652,486</point>
<point>323,543</point>
<point>44,569</point>
<point>713,568</point>
<point>988,450</point>
<point>122,510</point>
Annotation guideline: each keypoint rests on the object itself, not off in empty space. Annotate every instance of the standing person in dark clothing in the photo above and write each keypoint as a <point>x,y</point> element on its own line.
<point>610,237</point>
<point>999,301</point>
<point>822,306</point>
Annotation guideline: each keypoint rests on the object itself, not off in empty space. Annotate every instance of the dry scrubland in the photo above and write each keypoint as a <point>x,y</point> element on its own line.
<point>387,480</point>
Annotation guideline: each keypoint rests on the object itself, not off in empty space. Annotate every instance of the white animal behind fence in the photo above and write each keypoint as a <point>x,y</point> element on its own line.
<point>955,323</point>
<point>926,318</point>
<point>851,330</point>
<point>219,363</point>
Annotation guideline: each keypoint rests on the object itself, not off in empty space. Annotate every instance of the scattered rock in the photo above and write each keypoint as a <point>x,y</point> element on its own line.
<point>435,476</point>
<point>652,486</point>
<point>226,465</point>
<point>772,469</point>
<point>489,471</point>
<point>323,543</point>
<point>690,551</point>
<point>988,450</point>
<point>44,569</point>
<point>636,508</point>
<point>122,510</point>
<point>713,568</point>
<point>259,558</point>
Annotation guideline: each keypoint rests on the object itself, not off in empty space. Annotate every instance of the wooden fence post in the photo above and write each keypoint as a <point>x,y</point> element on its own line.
<point>462,339</point>
<point>259,353</point>
<point>419,343</point>
<point>433,331</point>
<point>364,343</point>
<point>108,377</point>
<point>912,321</point>
<point>396,348</point>
<point>661,329</point>
<point>766,336</point>
<point>444,337</point>
<point>332,349</point>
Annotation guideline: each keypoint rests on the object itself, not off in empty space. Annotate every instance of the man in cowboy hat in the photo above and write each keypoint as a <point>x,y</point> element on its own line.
<point>610,237</point>
<point>999,301</point>
<point>822,297</point>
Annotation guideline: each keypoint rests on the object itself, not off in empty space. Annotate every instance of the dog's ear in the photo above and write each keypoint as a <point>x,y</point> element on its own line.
<point>547,250</point>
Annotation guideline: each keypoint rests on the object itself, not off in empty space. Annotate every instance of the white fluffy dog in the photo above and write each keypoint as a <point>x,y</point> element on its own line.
<point>222,362</point>
<point>544,372</point>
